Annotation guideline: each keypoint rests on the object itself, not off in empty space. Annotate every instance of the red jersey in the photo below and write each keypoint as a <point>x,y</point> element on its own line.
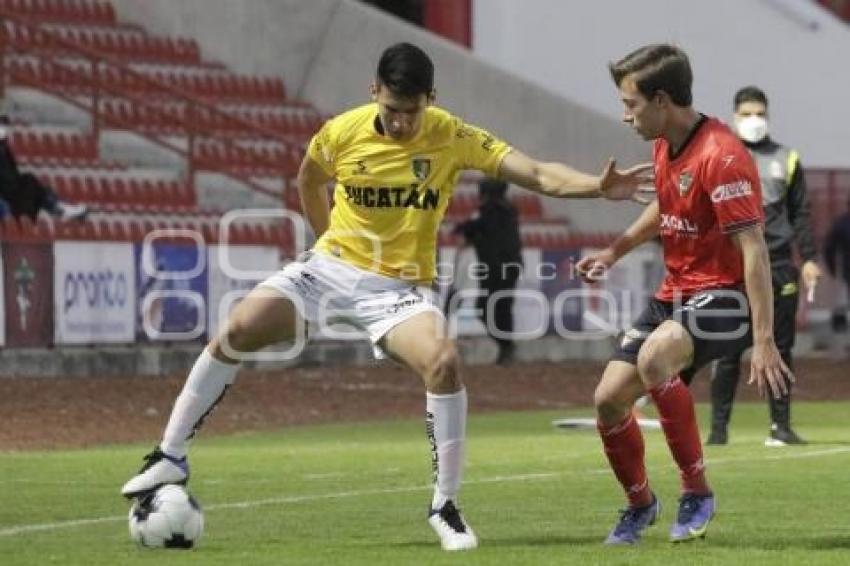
<point>707,192</point>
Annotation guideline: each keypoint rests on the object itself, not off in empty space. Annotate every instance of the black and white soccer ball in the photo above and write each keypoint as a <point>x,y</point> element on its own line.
<point>167,518</point>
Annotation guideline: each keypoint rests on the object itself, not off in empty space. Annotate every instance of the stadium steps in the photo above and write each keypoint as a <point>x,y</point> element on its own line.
<point>109,38</point>
<point>91,12</point>
<point>134,228</point>
<point>255,101</point>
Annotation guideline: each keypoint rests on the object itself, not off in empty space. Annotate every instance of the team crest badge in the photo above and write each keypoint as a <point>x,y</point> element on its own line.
<point>421,168</point>
<point>685,180</point>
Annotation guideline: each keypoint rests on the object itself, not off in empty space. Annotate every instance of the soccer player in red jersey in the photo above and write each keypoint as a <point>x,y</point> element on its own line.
<point>717,294</point>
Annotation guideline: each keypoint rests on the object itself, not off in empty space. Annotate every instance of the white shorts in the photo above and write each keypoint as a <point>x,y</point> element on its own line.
<point>328,291</point>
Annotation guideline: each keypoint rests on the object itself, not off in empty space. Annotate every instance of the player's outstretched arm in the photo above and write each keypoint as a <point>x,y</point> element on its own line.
<point>593,267</point>
<point>767,366</point>
<point>559,180</point>
<point>311,182</point>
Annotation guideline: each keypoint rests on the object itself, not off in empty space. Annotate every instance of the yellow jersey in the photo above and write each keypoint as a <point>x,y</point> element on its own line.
<point>390,196</point>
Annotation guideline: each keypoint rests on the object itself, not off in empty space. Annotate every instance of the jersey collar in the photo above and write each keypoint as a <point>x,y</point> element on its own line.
<point>379,130</point>
<point>691,135</point>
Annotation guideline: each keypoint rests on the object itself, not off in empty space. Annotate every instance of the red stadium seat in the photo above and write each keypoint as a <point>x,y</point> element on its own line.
<point>27,228</point>
<point>135,231</point>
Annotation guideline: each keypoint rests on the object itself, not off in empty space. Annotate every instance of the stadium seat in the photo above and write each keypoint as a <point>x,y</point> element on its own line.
<point>44,51</point>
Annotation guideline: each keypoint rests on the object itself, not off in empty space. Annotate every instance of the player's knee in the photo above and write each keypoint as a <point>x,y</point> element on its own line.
<point>238,338</point>
<point>651,365</point>
<point>610,407</point>
<point>442,374</point>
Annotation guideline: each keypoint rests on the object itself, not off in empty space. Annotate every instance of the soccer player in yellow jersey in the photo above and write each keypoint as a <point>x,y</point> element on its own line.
<point>395,162</point>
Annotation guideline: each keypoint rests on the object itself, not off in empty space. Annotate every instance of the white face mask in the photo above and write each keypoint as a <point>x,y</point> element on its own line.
<point>751,129</point>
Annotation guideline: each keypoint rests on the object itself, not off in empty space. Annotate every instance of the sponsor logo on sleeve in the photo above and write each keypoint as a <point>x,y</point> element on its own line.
<point>730,191</point>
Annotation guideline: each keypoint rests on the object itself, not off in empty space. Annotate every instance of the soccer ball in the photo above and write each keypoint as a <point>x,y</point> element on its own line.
<point>169,517</point>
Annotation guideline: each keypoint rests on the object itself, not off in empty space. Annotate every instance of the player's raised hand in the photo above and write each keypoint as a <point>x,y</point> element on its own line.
<point>634,183</point>
<point>592,268</point>
<point>767,367</point>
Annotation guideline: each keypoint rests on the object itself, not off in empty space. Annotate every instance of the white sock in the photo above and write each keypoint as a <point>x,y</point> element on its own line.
<point>445,424</point>
<point>203,389</point>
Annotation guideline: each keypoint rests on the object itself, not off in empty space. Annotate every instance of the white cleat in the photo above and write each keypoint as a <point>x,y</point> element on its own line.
<point>159,469</point>
<point>453,531</point>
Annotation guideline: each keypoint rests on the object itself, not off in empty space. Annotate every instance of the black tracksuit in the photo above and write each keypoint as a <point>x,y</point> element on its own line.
<point>494,233</point>
<point>787,220</point>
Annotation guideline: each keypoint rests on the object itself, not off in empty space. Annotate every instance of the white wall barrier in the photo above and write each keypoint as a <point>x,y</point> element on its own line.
<point>95,296</point>
<point>550,298</point>
<point>624,292</point>
<point>234,269</point>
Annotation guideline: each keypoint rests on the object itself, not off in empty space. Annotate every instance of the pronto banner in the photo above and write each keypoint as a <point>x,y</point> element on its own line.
<point>233,273</point>
<point>94,292</point>
<point>28,294</point>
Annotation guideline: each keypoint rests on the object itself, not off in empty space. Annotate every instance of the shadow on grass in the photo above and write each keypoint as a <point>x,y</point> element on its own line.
<point>830,542</point>
<point>833,542</point>
<point>823,543</point>
<point>547,540</point>
<point>518,541</point>
<point>821,442</point>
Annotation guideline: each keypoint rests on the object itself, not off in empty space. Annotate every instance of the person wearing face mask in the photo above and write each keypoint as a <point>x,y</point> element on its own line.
<point>787,221</point>
<point>23,194</point>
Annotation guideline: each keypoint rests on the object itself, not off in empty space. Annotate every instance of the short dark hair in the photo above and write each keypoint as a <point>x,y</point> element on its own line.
<point>406,70</point>
<point>657,67</point>
<point>749,94</point>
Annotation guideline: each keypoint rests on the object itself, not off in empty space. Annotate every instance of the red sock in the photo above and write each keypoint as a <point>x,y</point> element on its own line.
<point>623,444</point>
<point>678,420</point>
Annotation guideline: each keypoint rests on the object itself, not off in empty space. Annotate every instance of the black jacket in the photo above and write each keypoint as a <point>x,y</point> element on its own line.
<point>23,192</point>
<point>9,173</point>
<point>786,204</point>
<point>494,233</point>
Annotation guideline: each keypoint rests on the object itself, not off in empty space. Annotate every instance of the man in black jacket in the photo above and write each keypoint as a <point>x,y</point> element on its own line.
<point>494,233</point>
<point>787,220</point>
<point>22,194</point>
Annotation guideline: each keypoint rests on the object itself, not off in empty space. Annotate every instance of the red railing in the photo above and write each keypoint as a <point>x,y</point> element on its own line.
<point>102,75</point>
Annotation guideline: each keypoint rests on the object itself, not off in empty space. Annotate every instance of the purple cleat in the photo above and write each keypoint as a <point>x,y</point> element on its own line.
<point>633,521</point>
<point>695,513</point>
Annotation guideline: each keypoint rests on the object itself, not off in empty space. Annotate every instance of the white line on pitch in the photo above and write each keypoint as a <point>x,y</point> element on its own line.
<point>23,529</point>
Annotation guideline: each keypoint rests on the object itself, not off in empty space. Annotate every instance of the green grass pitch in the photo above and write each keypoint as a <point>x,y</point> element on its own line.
<point>357,494</point>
